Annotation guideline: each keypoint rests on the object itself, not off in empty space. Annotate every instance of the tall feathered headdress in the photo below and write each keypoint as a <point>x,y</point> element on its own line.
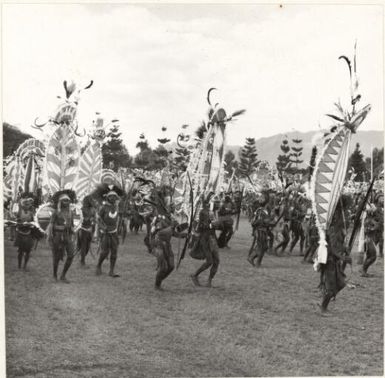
<point>61,194</point>
<point>103,190</point>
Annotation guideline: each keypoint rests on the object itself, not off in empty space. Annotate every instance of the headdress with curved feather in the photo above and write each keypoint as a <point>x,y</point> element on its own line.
<point>87,202</point>
<point>25,195</point>
<point>30,197</point>
<point>61,193</point>
<point>157,199</point>
<point>103,190</point>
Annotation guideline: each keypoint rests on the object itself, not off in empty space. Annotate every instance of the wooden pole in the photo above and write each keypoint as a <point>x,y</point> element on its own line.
<point>371,163</point>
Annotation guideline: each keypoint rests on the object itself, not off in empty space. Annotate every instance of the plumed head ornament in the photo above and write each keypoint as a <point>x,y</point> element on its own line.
<point>103,191</point>
<point>63,194</point>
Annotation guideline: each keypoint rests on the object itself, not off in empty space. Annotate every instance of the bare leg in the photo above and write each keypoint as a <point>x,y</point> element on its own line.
<point>26,259</point>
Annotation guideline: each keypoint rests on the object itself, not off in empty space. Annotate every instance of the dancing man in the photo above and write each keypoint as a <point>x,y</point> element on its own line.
<point>108,226</point>
<point>374,230</point>
<point>61,232</point>
<point>313,239</point>
<point>87,229</point>
<point>205,246</point>
<point>332,275</point>
<point>24,237</point>
<point>225,216</point>
<point>296,218</point>
<point>261,230</point>
<point>163,229</point>
<point>285,232</point>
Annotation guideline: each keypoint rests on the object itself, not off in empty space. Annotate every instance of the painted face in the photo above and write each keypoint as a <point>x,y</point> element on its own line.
<point>167,200</point>
<point>261,199</point>
<point>65,203</point>
<point>112,199</point>
<point>26,203</point>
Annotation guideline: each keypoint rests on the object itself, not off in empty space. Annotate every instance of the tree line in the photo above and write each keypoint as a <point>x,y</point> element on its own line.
<point>289,155</point>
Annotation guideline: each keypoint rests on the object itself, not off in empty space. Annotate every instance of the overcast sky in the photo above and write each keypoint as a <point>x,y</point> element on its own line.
<point>153,64</point>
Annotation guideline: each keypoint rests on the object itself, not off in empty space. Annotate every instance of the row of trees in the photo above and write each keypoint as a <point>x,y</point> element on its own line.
<point>289,160</point>
<point>363,168</point>
<point>115,153</point>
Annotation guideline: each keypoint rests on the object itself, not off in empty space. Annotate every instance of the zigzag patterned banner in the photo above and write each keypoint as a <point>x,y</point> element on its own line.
<point>327,183</point>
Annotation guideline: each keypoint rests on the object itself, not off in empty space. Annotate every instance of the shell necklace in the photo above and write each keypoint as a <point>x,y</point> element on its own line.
<point>113,215</point>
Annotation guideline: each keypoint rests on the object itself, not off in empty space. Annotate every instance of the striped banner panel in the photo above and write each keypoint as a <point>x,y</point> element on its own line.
<point>62,159</point>
<point>90,170</point>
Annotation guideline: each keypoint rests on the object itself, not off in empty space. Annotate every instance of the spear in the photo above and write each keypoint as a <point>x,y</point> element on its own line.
<point>191,221</point>
<point>357,219</point>
<point>239,209</point>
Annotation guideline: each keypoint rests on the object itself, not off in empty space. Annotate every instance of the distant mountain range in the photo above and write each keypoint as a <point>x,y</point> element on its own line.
<point>268,148</point>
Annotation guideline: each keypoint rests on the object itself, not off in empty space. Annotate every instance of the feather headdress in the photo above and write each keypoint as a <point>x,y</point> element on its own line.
<point>60,194</point>
<point>103,190</point>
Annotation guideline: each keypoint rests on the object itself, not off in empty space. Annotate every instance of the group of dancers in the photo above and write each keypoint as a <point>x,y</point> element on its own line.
<point>279,219</point>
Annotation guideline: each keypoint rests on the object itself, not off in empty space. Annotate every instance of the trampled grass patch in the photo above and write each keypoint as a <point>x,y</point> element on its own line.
<point>254,322</point>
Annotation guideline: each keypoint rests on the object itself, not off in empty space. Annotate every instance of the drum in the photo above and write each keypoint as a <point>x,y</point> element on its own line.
<point>44,213</point>
<point>78,215</point>
<point>43,216</point>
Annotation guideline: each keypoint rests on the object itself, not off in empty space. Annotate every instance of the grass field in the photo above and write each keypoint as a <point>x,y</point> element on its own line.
<point>255,322</point>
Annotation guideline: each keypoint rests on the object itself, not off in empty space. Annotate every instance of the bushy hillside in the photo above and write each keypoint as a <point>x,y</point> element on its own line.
<point>12,138</point>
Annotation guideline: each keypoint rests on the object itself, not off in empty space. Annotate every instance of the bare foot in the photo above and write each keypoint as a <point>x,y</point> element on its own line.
<point>208,284</point>
<point>324,311</point>
<point>195,280</point>
<point>250,261</point>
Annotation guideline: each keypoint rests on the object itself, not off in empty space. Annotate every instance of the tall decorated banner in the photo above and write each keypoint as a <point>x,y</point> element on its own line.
<point>204,174</point>
<point>10,165</point>
<point>62,159</point>
<point>23,169</point>
<point>17,178</point>
<point>90,170</point>
<point>31,153</point>
<point>216,163</point>
<point>30,176</point>
<point>63,150</point>
<point>207,163</point>
<point>331,166</point>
